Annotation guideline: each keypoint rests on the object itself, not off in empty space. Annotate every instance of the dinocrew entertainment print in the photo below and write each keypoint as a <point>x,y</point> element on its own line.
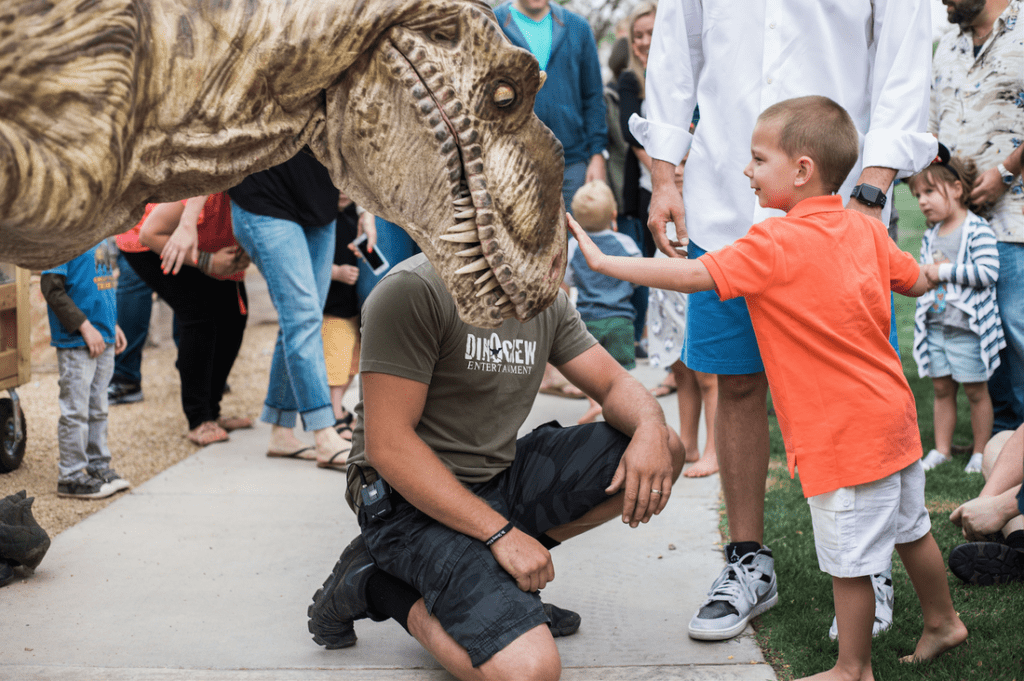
<point>482,382</point>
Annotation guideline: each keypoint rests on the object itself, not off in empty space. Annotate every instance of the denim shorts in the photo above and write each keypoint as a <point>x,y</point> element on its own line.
<point>558,475</point>
<point>856,528</point>
<point>955,352</point>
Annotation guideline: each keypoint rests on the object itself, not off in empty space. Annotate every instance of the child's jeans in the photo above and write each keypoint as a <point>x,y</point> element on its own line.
<point>82,428</point>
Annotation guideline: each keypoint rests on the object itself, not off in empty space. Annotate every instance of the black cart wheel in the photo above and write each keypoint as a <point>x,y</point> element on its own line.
<point>12,450</point>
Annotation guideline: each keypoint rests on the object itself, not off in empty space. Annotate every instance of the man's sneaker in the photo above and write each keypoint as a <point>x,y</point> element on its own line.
<point>123,393</point>
<point>109,475</point>
<point>884,598</point>
<point>84,486</point>
<point>342,599</point>
<point>745,589</point>
<point>987,563</point>
<point>563,622</point>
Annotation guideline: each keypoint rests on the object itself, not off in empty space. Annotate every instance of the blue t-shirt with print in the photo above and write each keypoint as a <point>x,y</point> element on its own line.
<point>89,282</point>
<point>538,35</point>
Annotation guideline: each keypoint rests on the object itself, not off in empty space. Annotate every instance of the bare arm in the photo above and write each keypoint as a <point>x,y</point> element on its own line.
<point>393,407</point>
<point>876,177</point>
<point>666,207</point>
<point>675,274</point>
<point>653,459</point>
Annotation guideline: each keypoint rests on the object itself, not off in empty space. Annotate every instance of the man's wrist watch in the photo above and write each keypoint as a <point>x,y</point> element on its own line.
<point>1005,174</point>
<point>869,195</point>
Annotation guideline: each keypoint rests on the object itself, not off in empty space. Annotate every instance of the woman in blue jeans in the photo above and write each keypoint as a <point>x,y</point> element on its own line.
<point>284,219</point>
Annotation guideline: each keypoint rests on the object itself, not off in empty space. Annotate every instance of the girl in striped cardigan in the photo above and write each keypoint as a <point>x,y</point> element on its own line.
<point>957,335</point>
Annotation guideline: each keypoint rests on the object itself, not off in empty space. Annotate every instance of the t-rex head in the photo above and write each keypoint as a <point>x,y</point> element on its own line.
<point>434,129</point>
<point>421,110</point>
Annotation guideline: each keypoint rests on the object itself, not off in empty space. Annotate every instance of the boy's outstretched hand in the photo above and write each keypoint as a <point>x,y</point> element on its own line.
<point>595,258</point>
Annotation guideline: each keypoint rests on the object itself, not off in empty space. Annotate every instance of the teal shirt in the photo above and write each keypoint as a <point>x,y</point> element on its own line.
<point>538,35</point>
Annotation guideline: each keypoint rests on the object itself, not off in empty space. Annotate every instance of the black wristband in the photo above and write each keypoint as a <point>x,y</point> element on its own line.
<point>500,533</point>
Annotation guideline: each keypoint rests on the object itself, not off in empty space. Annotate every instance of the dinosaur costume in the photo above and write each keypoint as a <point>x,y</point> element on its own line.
<point>420,109</point>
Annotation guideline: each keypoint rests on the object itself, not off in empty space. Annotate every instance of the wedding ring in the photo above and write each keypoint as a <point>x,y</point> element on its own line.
<point>655,491</point>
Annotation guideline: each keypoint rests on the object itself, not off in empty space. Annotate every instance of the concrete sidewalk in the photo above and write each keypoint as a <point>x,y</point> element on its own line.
<point>205,572</point>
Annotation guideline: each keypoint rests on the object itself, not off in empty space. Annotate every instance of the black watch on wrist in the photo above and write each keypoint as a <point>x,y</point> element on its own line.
<point>869,195</point>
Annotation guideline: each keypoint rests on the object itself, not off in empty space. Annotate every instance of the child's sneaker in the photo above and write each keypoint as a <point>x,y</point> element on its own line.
<point>974,465</point>
<point>933,459</point>
<point>123,393</point>
<point>109,476</point>
<point>884,597</point>
<point>84,486</point>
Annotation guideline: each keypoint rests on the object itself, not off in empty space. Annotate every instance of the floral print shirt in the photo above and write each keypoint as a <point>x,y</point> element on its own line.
<point>977,106</point>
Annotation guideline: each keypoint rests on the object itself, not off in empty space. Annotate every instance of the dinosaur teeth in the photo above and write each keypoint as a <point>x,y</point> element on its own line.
<point>466,214</point>
<point>462,237</point>
<point>509,308</point>
<point>484,277</point>
<point>471,252</point>
<point>462,227</point>
<point>489,286</point>
<point>475,266</point>
<point>501,301</point>
<point>464,201</point>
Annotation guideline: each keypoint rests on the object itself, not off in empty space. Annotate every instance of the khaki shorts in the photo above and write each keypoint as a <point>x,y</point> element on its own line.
<point>857,528</point>
<point>341,348</point>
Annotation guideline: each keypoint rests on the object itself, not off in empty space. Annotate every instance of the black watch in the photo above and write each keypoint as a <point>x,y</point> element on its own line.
<point>872,196</point>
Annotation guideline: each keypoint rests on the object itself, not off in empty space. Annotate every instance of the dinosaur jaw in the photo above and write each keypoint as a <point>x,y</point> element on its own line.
<point>484,205</point>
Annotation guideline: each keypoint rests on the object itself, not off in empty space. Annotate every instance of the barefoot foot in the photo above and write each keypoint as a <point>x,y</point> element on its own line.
<point>937,641</point>
<point>708,465</point>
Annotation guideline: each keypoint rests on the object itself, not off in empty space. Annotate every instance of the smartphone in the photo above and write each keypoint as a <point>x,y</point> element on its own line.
<point>377,262</point>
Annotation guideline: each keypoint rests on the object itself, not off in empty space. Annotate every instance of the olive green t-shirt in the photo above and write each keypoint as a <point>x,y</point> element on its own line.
<point>482,382</point>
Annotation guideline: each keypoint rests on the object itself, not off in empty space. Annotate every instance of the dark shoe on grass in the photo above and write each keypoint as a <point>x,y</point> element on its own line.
<point>342,599</point>
<point>987,563</point>
<point>563,622</point>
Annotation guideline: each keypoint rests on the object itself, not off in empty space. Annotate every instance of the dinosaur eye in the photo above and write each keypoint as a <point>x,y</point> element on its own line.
<point>504,95</point>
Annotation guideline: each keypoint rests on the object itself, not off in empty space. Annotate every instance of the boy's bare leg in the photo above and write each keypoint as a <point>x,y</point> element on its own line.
<point>532,657</point>
<point>942,627</point>
<point>855,613</point>
<point>708,463</point>
<point>981,414</point>
<point>945,414</point>
<point>688,396</point>
<point>741,434</point>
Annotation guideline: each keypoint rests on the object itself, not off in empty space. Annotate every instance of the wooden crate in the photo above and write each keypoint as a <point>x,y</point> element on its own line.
<point>15,339</point>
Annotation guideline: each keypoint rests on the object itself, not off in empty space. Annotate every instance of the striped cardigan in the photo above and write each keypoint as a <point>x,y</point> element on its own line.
<point>971,287</point>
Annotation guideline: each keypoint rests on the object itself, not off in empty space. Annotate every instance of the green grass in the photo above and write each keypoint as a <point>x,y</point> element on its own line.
<point>793,635</point>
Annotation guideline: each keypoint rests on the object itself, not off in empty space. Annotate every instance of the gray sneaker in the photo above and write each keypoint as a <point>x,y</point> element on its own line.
<point>109,476</point>
<point>884,599</point>
<point>745,589</point>
<point>84,486</point>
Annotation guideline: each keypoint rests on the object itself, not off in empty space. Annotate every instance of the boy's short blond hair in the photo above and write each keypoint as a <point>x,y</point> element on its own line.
<point>817,127</point>
<point>593,206</point>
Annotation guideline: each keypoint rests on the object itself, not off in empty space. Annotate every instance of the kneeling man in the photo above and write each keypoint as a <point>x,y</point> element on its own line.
<point>458,548</point>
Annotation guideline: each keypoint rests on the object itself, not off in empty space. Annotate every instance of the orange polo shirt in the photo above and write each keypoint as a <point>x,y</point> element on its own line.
<point>817,286</point>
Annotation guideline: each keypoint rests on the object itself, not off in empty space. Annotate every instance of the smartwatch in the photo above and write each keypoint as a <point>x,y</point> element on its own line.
<point>872,196</point>
<point>1005,174</point>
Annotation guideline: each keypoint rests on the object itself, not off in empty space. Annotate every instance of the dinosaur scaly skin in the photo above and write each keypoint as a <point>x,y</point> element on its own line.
<point>420,109</point>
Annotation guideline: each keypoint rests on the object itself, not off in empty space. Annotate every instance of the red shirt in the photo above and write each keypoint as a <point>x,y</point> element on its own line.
<point>817,286</point>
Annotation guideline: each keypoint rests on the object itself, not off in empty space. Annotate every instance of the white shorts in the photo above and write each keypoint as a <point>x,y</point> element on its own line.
<point>857,528</point>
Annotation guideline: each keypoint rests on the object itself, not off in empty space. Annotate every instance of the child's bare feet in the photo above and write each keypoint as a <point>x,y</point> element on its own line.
<point>591,415</point>
<point>707,465</point>
<point>839,674</point>
<point>934,642</point>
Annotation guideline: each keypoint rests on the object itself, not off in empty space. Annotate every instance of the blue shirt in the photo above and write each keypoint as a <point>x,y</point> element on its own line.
<point>537,33</point>
<point>89,282</point>
<point>601,296</point>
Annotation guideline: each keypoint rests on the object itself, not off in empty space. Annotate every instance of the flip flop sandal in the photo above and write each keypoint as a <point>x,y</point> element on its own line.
<point>230,423</point>
<point>306,454</point>
<point>344,425</point>
<point>663,390</point>
<point>338,460</point>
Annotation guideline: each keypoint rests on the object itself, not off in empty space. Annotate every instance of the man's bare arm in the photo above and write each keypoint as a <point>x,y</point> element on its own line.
<point>393,407</point>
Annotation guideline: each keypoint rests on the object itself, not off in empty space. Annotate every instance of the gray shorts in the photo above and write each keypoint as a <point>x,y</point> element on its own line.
<point>558,475</point>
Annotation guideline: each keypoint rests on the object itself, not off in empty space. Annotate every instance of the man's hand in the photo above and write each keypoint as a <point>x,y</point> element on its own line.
<point>596,169</point>
<point>666,207</point>
<point>120,342</point>
<point>93,339</point>
<point>988,187</point>
<point>525,559</point>
<point>644,475</point>
<point>979,517</point>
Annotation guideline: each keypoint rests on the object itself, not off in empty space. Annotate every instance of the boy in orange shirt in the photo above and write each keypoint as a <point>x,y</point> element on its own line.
<point>817,284</point>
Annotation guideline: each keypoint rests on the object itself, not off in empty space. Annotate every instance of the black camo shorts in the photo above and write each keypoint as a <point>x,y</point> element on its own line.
<point>558,475</point>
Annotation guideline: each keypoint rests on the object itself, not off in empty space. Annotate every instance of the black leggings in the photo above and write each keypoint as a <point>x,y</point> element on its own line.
<point>211,324</point>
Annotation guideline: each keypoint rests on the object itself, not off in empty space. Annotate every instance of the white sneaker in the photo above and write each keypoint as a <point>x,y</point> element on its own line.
<point>745,589</point>
<point>933,459</point>
<point>974,465</point>
<point>884,598</point>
